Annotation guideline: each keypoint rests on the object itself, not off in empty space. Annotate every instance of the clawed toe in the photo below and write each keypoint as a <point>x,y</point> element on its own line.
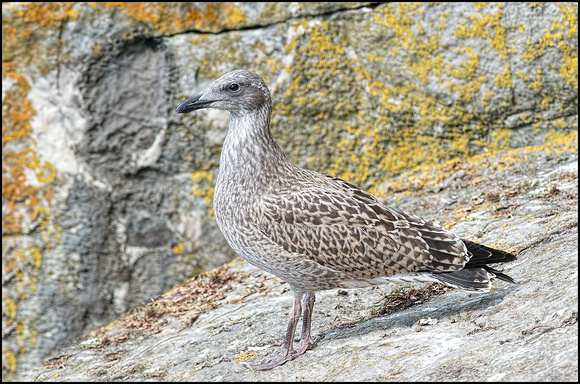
<point>302,347</point>
<point>280,359</point>
<point>272,362</point>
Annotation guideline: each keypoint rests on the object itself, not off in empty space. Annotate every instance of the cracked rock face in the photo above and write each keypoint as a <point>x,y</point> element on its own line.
<point>107,195</point>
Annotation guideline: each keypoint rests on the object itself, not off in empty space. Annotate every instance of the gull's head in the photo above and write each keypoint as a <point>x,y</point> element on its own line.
<point>239,92</point>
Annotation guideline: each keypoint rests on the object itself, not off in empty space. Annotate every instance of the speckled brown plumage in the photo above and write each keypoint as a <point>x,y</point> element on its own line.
<point>315,231</point>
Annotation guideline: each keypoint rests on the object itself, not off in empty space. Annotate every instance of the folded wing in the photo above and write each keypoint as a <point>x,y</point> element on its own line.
<point>339,226</point>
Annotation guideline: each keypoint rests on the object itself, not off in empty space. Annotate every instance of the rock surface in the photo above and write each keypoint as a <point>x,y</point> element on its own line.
<point>525,201</point>
<point>106,194</point>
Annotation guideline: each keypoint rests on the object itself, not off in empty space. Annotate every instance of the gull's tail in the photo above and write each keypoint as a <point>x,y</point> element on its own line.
<point>476,275</point>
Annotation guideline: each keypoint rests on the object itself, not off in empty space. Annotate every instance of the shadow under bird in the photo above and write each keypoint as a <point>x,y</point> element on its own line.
<point>316,231</point>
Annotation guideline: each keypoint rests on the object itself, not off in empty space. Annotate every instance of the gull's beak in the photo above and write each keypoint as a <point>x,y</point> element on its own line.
<point>193,104</point>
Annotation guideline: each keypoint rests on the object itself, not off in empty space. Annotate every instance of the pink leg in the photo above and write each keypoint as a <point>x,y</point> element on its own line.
<point>306,339</point>
<point>286,353</point>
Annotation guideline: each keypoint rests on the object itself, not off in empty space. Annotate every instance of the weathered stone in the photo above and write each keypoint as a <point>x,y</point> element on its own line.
<point>521,332</point>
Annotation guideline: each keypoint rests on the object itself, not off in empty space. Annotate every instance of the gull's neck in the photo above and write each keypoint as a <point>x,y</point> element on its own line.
<point>249,146</point>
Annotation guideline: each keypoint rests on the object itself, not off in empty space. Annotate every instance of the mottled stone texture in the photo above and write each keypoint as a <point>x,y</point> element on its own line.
<point>106,194</point>
<point>522,332</point>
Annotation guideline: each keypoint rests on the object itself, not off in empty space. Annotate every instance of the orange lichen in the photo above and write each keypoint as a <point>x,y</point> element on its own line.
<point>184,16</point>
<point>16,115</point>
<point>23,201</point>
<point>179,248</point>
<point>25,27</point>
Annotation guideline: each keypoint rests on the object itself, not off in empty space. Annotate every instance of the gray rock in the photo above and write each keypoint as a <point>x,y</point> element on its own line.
<point>517,332</point>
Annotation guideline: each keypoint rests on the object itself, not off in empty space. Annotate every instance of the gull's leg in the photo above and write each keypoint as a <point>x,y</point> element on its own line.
<point>286,353</point>
<point>306,339</point>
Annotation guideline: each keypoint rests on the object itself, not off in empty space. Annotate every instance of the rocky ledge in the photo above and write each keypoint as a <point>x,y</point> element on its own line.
<point>524,201</point>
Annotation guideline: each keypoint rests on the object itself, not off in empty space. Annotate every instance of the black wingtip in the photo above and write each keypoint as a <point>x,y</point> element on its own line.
<point>483,255</point>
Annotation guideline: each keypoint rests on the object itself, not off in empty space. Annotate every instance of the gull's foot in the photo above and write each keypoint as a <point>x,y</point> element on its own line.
<point>272,362</point>
<point>303,346</point>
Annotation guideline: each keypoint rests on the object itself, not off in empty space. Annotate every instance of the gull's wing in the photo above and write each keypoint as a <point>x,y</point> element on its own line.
<point>339,226</point>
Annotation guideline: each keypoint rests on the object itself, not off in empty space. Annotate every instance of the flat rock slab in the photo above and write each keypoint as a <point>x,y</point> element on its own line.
<point>522,332</point>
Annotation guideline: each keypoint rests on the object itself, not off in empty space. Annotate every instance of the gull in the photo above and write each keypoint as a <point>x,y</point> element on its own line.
<point>315,231</point>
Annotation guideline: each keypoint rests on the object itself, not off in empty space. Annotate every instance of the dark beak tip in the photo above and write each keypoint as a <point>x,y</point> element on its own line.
<point>178,109</point>
<point>188,105</point>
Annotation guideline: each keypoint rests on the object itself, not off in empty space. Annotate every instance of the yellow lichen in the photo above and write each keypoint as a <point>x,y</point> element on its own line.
<point>480,6</point>
<point>560,123</point>
<point>546,102</point>
<point>46,173</point>
<point>10,359</point>
<point>422,176</point>
<point>501,140</point>
<point>537,85</point>
<point>411,146</point>
<point>505,80</point>
<point>562,142</point>
<point>565,27</point>
<point>486,26</point>
<point>245,356</point>
<point>204,187</point>
<point>525,118</point>
<point>10,307</point>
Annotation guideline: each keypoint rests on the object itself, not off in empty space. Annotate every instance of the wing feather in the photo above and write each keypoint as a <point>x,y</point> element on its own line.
<point>339,226</point>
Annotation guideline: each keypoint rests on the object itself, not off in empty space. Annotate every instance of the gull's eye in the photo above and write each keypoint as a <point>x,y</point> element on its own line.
<point>234,87</point>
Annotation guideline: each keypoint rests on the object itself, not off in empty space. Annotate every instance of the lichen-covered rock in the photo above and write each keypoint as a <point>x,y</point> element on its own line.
<point>106,194</point>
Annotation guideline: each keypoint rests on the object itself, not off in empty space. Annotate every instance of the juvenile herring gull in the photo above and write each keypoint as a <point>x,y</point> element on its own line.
<point>316,231</point>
